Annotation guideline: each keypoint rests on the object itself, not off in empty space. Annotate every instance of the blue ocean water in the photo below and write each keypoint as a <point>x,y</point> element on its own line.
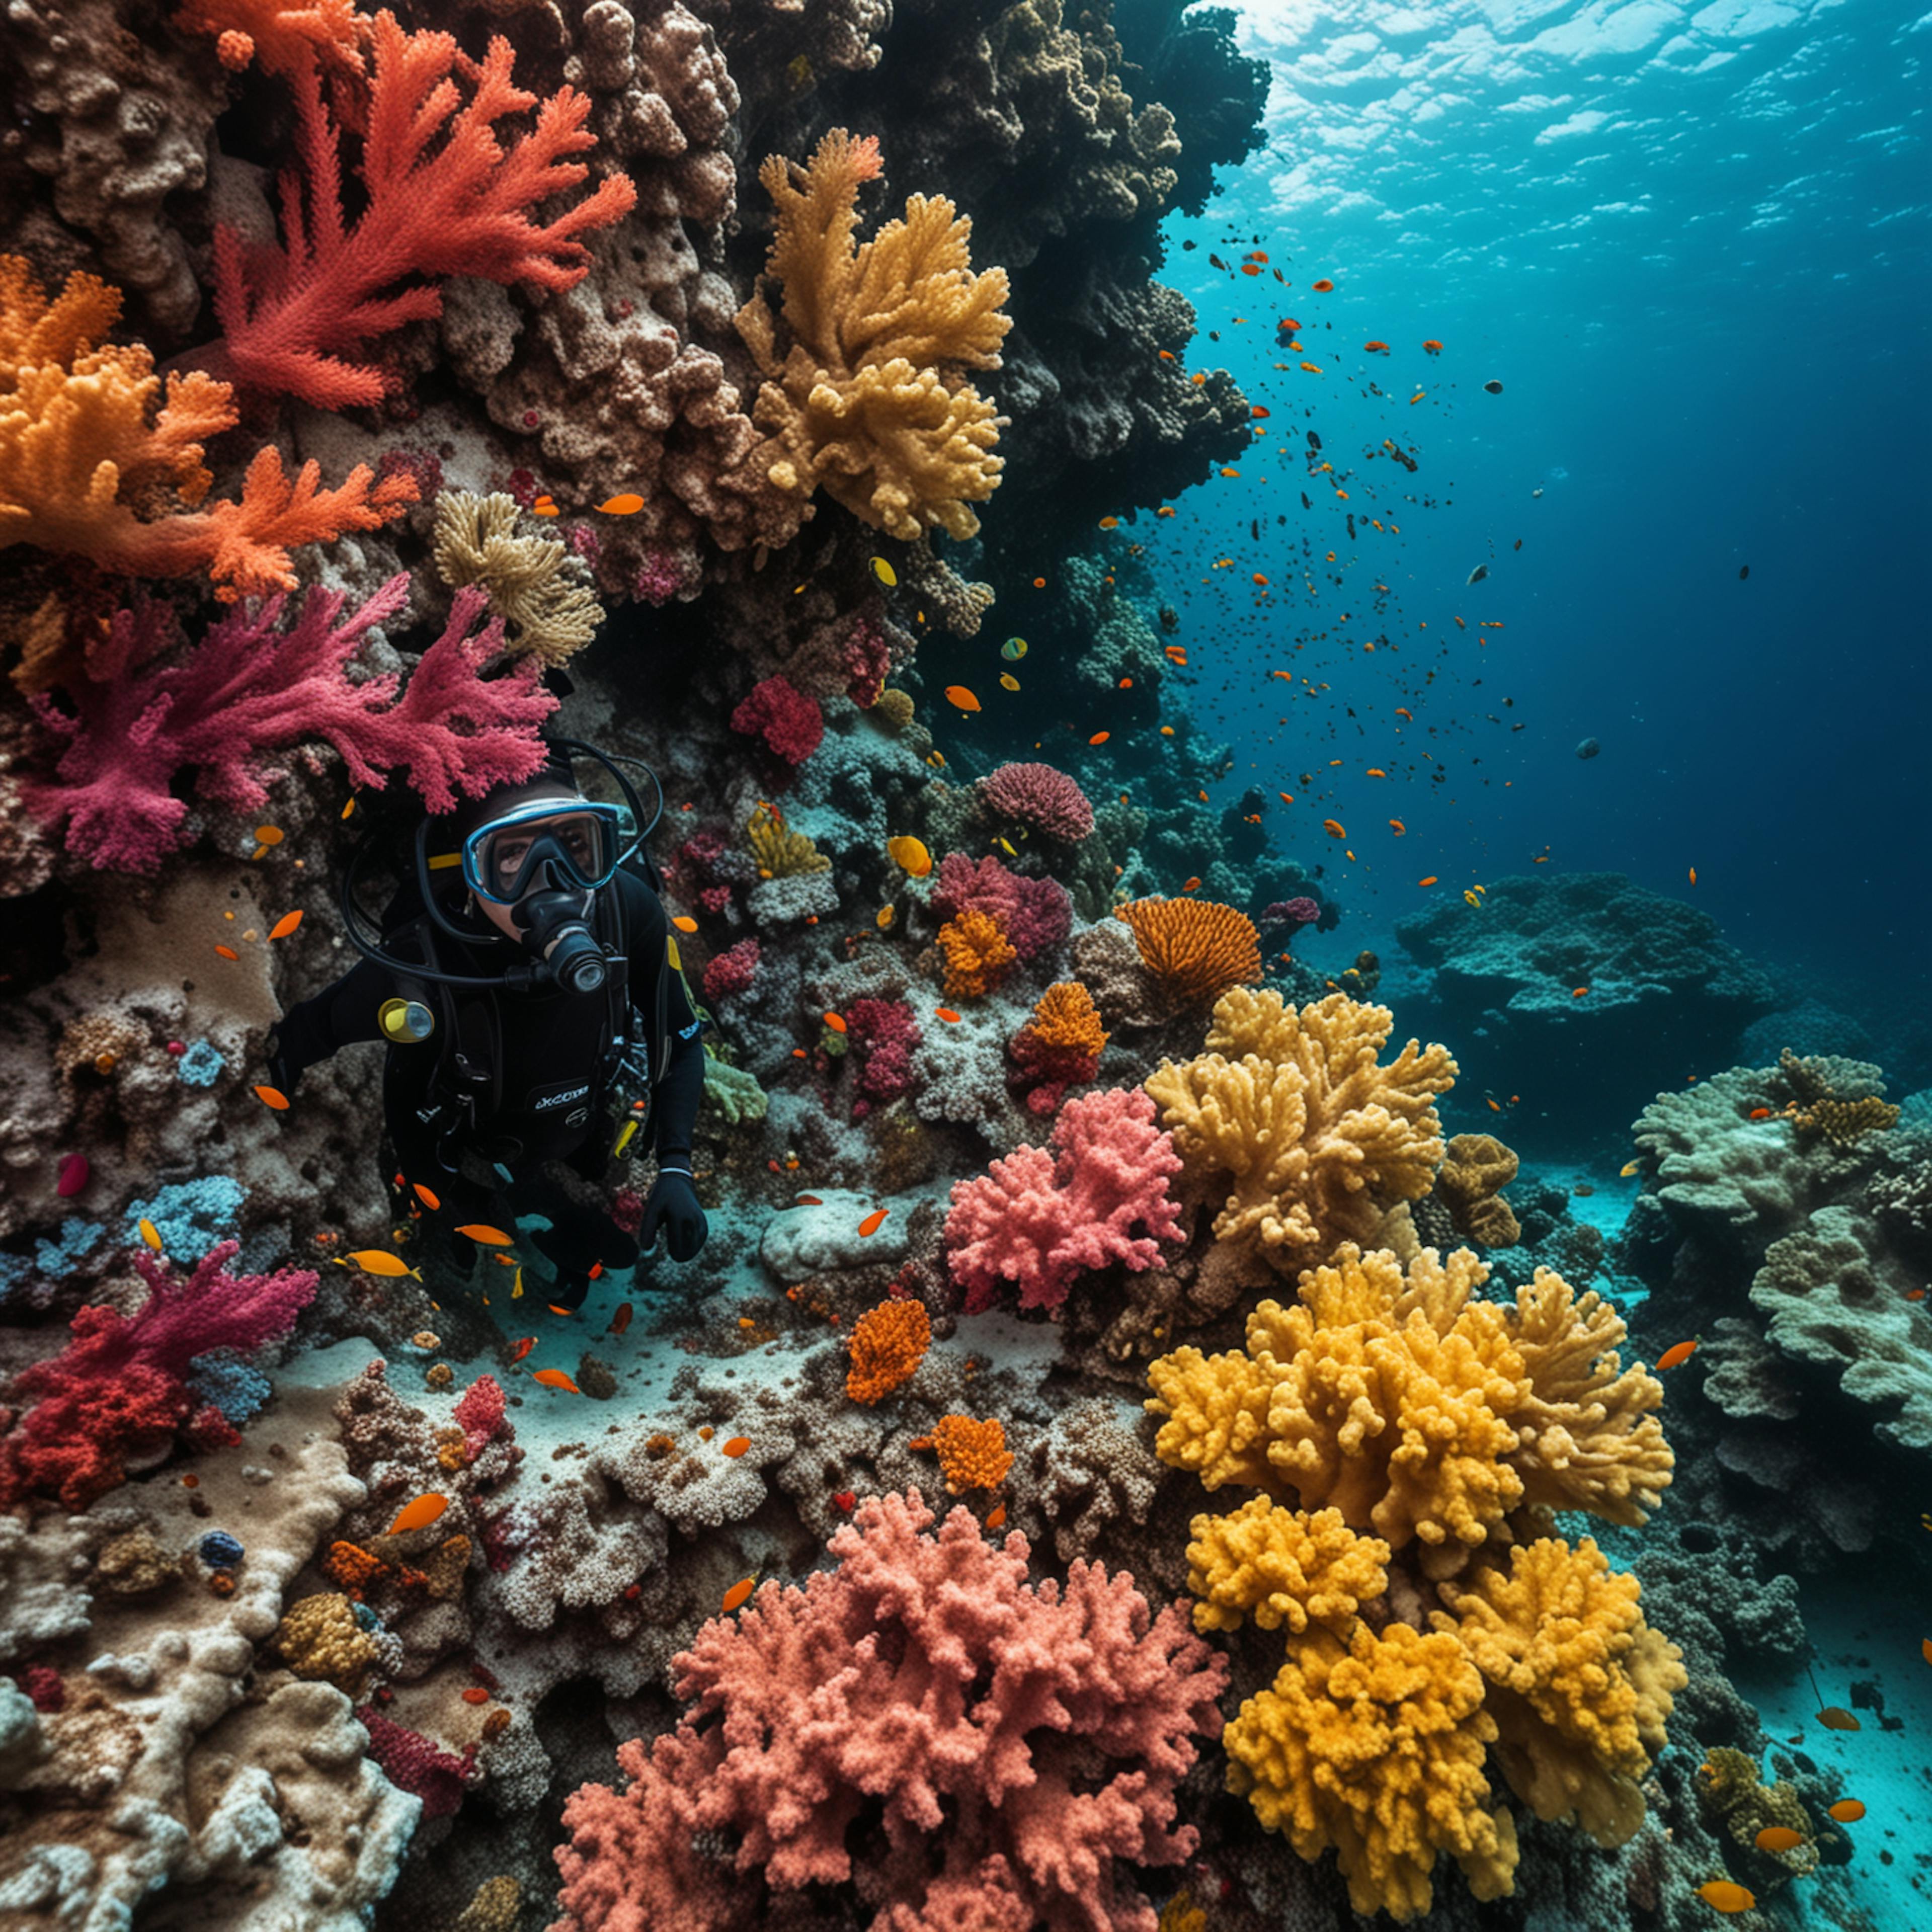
<point>1691,245</point>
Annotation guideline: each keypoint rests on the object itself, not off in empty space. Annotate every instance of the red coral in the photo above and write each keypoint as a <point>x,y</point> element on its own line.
<point>1033,913</point>
<point>1040,796</point>
<point>119,1387</point>
<point>249,691</point>
<point>868,658</point>
<point>443,197</point>
<point>790,723</point>
<point>732,971</point>
<point>884,1033</point>
<point>45,1688</point>
<point>480,1415</point>
<point>411,1763</point>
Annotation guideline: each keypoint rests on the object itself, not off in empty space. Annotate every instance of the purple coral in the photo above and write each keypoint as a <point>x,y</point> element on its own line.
<point>884,1033</point>
<point>1039,796</point>
<point>1295,912</point>
<point>250,691</point>
<point>414,1763</point>
<point>1033,913</point>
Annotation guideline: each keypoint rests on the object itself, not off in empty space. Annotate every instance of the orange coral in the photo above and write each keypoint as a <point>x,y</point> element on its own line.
<point>888,1343</point>
<point>286,38</point>
<point>352,1566</point>
<point>1195,949</point>
<point>973,1455</point>
<point>77,452</point>
<point>978,954</point>
<point>1067,1017</point>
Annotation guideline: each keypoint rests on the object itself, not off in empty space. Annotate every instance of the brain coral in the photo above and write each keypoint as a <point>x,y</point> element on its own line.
<point>1314,1136</point>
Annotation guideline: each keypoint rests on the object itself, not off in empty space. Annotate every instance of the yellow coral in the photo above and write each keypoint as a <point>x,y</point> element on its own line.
<point>1316,1137</point>
<point>1284,1566</point>
<point>779,850</point>
<point>1217,1407</point>
<point>320,1639</point>
<point>888,1343</point>
<point>978,954</point>
<point>973,1455</point>
<point>868,402</point>
<point>1193,948</point>
<point>892,708</point>
<point>1065,1015</point>
<point>476,541</point>
<point>1581,1686</point>
<point>1376,1748</point>
<point>1476,1167</point>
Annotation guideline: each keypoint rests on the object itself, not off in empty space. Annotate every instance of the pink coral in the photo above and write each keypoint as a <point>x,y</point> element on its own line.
<point>120,1386</point>
<point>1040,796</point>
<point>480,1415</point>
<point>1038,1220</point>
<point>789,722</point>
<point>1033,913</point>
<point>884,1033</point>
<point>732,971</point>
<point>959,1746</point>
<point>441,196</point>
<point>659,579</point>
<point>414,1763</point>
<point>867,658</point>
<point>248,691</point>
<point>1295,912</point>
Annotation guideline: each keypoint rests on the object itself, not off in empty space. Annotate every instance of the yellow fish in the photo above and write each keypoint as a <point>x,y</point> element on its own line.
<point>886,916</point>
<point>909,855</point>
<point>1007,847</point>
<point>884,573</point>
<point>150,1234</point>
<point>1629,1168</point>
<point>1008,681</point>
<point>1473,900</point>
<point>378,1261</point>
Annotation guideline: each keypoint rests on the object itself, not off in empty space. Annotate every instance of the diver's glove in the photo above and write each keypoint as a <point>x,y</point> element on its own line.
<point>673,1206</point>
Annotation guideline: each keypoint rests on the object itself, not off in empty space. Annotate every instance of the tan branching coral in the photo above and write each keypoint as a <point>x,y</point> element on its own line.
<point>1476,1167</point>
<point>1193,948</point>
<point>867,401</point>
<point>782,853</point>
<point>547,616</point>
<point>1282,1566</point>
<point>1312,1136</point>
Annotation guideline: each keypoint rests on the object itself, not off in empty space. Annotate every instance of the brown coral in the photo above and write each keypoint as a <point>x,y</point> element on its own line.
<point>1475,1169</point>
<point>1194,948</point>
<point>319,1639</point>
<point>978,954</point>
<point>973,1455</point>
<point>888,1343</point>
<point>868,402</point>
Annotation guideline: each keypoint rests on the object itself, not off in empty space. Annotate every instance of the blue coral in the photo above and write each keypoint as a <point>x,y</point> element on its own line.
<point>190,1216</point>
<point>219,1550</point>
<point>66,1250</point>
<point>236,1388</point>
<point>200,1066</point>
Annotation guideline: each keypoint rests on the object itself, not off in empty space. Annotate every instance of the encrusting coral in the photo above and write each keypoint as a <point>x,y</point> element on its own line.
<point>1194,948</point>
<point>1315,1136</point>
<point>321,1642</point>
<point>546,616</point>
<point>867,401</point>
<point>1475,1169</point>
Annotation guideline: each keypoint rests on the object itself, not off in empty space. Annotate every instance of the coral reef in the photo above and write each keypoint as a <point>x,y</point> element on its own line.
<point>526,577</point>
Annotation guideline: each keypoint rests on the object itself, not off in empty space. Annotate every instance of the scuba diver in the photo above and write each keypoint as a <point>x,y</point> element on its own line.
<point>527,984</point>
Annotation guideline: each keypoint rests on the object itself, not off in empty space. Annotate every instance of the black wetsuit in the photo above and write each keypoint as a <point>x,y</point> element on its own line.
<point>550,1104</point>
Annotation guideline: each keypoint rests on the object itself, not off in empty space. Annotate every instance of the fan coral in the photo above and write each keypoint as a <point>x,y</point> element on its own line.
<point>888,1344</point>
<point>444,197</point>
<point>732,971</point>
<point>789,722</point>
<point>250,691</point>
<point>1039,796</point>
<point>77,454</point>
<point>1316,1137</point>
<point>548,616</point>
<point>867,402</point>
<point>1039,1220</point>
<point>782,853</point>
<point>1033,913</point>
<point>1059,1047</point>
<point>1194,948</point>
<point>921,1724</point>
<point>1475,1169</point>
<point>978,955</point>
<point>972,1455</point>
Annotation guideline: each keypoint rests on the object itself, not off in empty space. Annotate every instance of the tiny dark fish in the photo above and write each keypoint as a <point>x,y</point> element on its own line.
<point>1589,749</point>
<point>1476,576</point>
<point>1493,389</point>
<point>1314,441</point>
<point>1744,573</point>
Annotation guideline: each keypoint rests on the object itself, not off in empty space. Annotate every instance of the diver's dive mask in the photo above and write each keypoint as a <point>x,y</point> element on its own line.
<point>544,860</point>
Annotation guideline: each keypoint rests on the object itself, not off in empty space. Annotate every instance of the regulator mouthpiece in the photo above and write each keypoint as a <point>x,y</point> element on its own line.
<point>407,1022</point>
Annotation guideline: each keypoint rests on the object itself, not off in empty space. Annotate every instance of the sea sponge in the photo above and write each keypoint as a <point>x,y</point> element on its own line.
<point>1581,1686</point>
<point>978,955</point>
<point>1476,1167</point>
<point>1730,1787</point>
<point>892,708</point>
<point>1282,1566</point>
<point>1193,948</point>
<point>527,577</point>
<point>1376,1747</point>
<point>1315,1137</point>
<point>973,1455</point>
<point>321,1641</point>
<point>888,1343</point>
<point>782,853</point>
<point>869,401</point>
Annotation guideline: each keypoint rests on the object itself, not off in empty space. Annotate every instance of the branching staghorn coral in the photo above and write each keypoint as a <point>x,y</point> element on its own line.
<point>547,616</point>
<point>867,401</point>
<point>1315,1137</point>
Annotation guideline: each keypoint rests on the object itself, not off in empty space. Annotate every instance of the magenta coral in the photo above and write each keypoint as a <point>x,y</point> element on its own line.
<point>45,1688</point>
<point>248,691</point>
<point>960,1747</point>
<point>1033,913</point>
<point>789,722</point>
<point>884,1033</point>
<point>480,1415</point>
<point>1040,796</point>
<point>414,1763</point>
<point>442,196</point>
<point>120,1386</point>
<point>1295,912</point>
<point>659,579</point>
<point>867,658</point>
<point>732,971</point>
<point>1038,1220</point>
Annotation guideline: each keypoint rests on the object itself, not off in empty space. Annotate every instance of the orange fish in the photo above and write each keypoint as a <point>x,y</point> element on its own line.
<point>273,1096</point>
<point>1680,1351</point>
<point>227,952</point>
<point>1289,323</point>
<point>1176,654</point>
<point>1313,369</point>
<point>1374,348</point>
<point>419,1514</point>
<point>1577,992</point>
<point>621,1320</point>
<point>1759,1114</point>
<point>1397,827</point>
<point>557,1379</point>
<point>833,1021</point>
<point>625,505</point>
<point>1834,1719</point>
<point>807,1200</point>
<point>684,923</point>
<point>430,1200</point>
<point>737,1445</point>
<point>1694,875</point>
<point>524,1347</point>
<point>1260,579</point>
<point>1251,267</point>
<point>1847,1811</point>
<point>1432,347</point>
<point>738,1592</point>
<point>874,1222</point>
<point>1925,1648</point>
<point>1099,737</point>
<point>1259,414</point>
<point>947,1015</point>
<point>1323,287</point>
<point>957,694</point>
<point>1333,827</point>
<point>1778,1838</point>
<point>1164,511</point>
<point>1374,772</point>
<point>1914,1294</point>
<point>1460,625</point>
<point>1432,879</point>
<point>493,1237</point>
<point>1721,1895</point>
<point>1191,886</point>
<point>1401,712</point>
<point>286,924</point>
<point>996,1517</point>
